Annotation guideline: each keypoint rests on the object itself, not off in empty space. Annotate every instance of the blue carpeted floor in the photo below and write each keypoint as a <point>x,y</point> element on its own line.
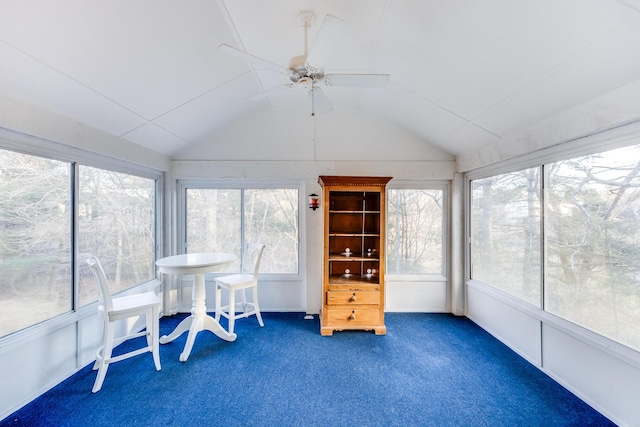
<point>429,370</point>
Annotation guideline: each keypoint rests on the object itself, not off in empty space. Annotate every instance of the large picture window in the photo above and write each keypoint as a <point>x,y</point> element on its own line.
<point>505,233</point>
<point>41,200</point>
<point>116,220</point>
<point>225,219</point>
<point>591,235</point>
<point>415,231</point>
<point>35,240</point>
<point>592,226</point>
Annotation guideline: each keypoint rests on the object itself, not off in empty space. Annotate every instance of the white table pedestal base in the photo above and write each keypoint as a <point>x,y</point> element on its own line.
<point>198,321</point>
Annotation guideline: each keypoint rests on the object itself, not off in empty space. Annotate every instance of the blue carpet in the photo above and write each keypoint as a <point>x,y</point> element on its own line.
<point>429,370</point>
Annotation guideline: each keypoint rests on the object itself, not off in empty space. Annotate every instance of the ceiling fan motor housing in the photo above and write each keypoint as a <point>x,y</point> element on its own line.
<point>299,70</point>
<point>296,65</point>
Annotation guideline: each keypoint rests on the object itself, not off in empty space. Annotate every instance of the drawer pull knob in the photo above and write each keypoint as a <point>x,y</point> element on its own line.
<point>353,316</point>
<point>353,298</point>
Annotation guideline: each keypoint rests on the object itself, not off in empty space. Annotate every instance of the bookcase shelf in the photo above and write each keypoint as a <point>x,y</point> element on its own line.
<point>353,282</point>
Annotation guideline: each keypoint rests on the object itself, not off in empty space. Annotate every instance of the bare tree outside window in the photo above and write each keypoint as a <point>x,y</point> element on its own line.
<point>592,226</point>
<point>219,220</point>
<point>505,233</point>
<point>35,240</point>
<point>415,231</point>
<point>116,220</point>
<point>213,222</point>
<point>271,217</point>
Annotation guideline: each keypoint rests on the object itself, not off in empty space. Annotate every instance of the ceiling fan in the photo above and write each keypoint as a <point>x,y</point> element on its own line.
<point>306,71</point>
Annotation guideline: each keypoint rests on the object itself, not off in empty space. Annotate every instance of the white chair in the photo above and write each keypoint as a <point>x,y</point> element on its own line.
<point>247,279</point>
<point>113,309</point>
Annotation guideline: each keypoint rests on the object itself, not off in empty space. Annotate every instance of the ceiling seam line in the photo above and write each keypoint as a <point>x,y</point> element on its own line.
<point>199,96</point>
<point>73,79</point>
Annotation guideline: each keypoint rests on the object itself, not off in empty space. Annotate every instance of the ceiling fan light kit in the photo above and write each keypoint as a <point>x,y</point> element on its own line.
<point>307,71</point>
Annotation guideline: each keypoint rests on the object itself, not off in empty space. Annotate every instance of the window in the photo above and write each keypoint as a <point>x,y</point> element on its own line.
<point>415,231</point>
<point>35,244</point>
<point>592,228</point>
<point>225,219</point>
<point>505,233</point>
<point>591,235</point>
<point>115,217</point>
<point>116,220</point>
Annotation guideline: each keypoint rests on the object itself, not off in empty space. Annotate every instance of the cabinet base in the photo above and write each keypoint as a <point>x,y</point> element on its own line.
<point>327,331</point>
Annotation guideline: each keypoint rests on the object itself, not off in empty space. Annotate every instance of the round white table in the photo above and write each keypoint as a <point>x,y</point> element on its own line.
<point>197,264</point>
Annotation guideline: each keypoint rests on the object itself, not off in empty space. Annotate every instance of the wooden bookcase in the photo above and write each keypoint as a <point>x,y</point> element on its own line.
<point>353,282</point>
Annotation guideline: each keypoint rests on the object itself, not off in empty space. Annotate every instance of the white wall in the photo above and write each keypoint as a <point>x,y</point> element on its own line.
<point>293,135</point>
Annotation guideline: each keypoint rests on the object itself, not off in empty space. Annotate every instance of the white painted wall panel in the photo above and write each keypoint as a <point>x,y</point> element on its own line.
<point>42,363</point>
<point>607,383</point>
<point>420,297</point>
<point>519,330</point>
<point>273,296</point>
<point>89,338</point>
<point>293,135</point>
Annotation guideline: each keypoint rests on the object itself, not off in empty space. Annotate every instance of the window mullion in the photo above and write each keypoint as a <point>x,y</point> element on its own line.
<point>242,230</point>
<point>75,267</point>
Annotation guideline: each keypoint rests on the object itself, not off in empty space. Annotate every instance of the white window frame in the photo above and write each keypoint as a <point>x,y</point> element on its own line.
<point>242,184</point>
<point>623,136</point>
<point>446,198</point>
<point>34,146</point>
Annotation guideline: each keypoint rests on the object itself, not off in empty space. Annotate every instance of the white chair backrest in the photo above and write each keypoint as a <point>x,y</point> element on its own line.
<point>252,257</point>
<point>104,295</point>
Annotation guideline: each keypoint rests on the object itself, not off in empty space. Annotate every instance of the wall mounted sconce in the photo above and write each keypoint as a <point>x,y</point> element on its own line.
<point>313,201</point>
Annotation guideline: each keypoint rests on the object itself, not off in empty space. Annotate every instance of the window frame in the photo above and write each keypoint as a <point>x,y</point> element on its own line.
<point>444,186</point>
<point>541,243</point>
<point>158,182</point>
<point>34,146</point>
<point>623,136</point>
<point>183,185</point>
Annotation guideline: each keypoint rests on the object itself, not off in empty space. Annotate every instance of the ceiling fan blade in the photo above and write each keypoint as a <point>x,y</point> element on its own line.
<point>329,35</point>
<point>274,90</point>
<point>252,58</point>
<point>357,80</point>
<point>319,101</point>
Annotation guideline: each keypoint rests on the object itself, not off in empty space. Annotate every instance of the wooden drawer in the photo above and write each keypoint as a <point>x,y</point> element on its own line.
<point>357,317</point>
<point>353,297</point>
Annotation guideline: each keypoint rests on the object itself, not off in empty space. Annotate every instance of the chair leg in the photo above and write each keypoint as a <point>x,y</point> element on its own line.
<point>244,300</point>
<point>218,301</point>
<point>101,349</point>
<point>256,306</point>
<point>99,353</point>
<point>232,310</point>
<point>154,327</point>
<point>107,349</point>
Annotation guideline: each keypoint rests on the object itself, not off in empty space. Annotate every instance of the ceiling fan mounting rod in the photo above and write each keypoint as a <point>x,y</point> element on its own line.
<point>306,19</point>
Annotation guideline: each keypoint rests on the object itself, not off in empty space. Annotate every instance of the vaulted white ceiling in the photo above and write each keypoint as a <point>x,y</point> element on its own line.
<point>464,73</point>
